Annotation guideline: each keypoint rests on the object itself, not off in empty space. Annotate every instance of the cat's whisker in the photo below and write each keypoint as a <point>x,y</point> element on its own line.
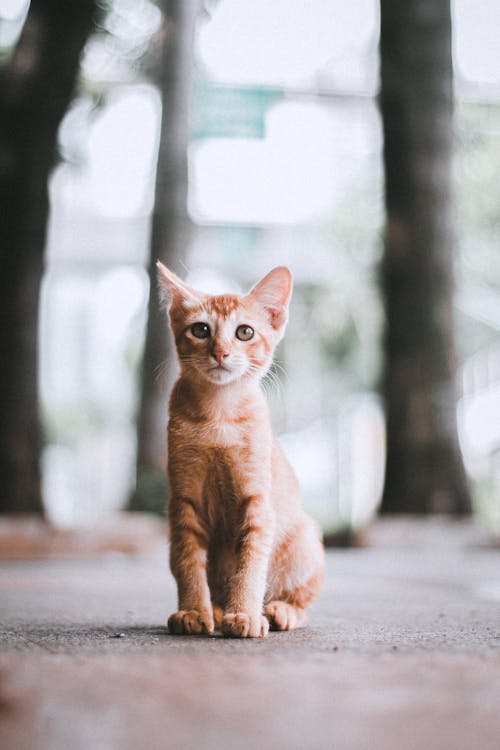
<point>271,382</point>
<point>274,385</point>
<point>276,364</point>
<point>160,371</point>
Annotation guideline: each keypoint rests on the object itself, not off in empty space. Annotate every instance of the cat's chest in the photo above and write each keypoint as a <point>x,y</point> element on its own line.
<point>220,432</point>
<point>220,488</point>
<point>224,434</point>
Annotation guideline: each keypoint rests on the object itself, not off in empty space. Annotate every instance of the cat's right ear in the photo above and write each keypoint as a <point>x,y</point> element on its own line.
<point>173,291</point>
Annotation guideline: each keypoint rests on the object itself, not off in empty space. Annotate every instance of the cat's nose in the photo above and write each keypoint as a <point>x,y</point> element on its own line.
<point>219,353</point>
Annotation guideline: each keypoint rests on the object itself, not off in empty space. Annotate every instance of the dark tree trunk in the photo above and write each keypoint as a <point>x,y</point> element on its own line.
<point>424,470</point>
<point>171,228</point>
<point>35,89</point>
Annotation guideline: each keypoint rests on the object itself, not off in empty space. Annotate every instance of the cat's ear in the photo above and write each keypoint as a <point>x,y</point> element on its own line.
<point>273,292</point>
<point>174,291</point>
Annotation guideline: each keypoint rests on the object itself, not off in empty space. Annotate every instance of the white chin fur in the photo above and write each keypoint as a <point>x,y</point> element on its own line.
<point>221,377</point>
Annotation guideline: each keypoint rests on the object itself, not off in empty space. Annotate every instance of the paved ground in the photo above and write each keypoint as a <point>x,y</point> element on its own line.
<point>401,652</point>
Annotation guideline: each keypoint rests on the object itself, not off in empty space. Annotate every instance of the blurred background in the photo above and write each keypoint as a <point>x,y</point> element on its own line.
<point>269,152</point>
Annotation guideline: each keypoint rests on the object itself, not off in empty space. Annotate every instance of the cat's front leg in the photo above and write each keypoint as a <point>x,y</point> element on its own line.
<point>188,562</point>
<point>243,616</point>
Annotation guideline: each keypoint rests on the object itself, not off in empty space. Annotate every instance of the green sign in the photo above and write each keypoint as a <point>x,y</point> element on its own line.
<point>230,111</point>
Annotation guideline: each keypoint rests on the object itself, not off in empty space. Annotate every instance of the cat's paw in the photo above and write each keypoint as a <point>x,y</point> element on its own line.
<point>191,622</point>
<point>284,616</point>
<point>241,625</point>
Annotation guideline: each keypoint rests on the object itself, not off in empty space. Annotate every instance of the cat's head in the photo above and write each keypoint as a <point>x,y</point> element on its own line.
<point>224,338</point>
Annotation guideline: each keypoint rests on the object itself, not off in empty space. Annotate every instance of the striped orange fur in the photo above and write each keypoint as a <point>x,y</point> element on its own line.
<point>243,552</point>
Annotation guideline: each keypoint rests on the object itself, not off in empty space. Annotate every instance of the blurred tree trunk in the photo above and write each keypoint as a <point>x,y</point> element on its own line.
<point>36,87</point>
<point>171,230</point>
<point>424,470</point>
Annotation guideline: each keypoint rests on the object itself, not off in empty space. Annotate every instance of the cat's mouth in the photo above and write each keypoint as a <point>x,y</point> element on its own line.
<point>221,374</point>
<point>219,368</point>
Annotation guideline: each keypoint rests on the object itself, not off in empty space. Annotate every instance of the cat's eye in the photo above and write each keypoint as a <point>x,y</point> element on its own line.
<point>200,330</point>
<point>244,333</point>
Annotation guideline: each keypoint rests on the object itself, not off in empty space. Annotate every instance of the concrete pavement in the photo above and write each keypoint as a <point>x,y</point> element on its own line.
<point>401,652</point>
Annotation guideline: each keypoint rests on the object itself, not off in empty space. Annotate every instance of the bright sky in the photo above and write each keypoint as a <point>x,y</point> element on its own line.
<point>282,42</point>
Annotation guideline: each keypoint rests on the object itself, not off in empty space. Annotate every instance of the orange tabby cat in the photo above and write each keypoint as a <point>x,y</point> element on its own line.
<point>244,554</point>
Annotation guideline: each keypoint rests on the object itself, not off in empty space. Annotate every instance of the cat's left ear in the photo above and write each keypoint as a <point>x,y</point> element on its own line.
<point>273,292</point>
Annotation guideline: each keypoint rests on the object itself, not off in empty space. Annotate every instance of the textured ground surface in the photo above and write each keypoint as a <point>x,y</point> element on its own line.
<point>401,652</point>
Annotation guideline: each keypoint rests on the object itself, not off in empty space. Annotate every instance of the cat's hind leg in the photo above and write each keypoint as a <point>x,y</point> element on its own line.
<point>295,577</point>
<point>284,616</point>
<point>288,610</point>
